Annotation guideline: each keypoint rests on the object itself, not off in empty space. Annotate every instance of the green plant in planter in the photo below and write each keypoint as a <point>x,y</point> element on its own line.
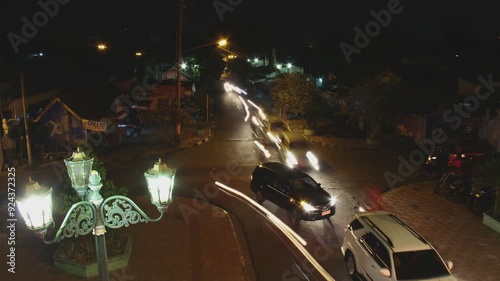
<point>489,169</point>
<point>82,249</point>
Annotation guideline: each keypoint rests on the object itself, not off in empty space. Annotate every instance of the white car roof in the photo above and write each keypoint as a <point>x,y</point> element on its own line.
<point>399,236</point>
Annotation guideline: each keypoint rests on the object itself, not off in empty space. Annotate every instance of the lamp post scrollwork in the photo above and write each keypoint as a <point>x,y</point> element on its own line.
<point>94,213</point>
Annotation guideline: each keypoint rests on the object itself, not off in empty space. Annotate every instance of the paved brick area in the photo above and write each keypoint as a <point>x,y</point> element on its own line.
<point>458,234</point>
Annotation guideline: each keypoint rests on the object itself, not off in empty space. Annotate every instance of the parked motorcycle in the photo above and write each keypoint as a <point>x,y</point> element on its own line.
<point>481,200</point>
<point>436,162</point>
<point>449,181</point>
<point>459,188</point>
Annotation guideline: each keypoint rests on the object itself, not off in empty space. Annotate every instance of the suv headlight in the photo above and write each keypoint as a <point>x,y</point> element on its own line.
<point>290,159</point>
<point>333,200</point>
<point>307,207</point>
<point>313,159</point>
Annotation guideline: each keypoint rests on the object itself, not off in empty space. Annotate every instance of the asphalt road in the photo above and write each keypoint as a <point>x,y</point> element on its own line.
<point>231,156</point>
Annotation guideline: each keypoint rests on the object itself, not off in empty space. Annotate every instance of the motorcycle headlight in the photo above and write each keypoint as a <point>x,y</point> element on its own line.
<point>307,207</point>
<point>429,158</point>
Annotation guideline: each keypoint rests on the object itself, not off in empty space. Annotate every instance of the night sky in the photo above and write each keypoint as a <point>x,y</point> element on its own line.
<point>422,28</point>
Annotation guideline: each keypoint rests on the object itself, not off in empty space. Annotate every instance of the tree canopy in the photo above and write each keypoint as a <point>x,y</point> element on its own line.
<point>296,94</point>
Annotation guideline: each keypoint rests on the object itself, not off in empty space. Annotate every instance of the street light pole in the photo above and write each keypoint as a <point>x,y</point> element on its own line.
<point>179,62</point>
<point>26,129</point>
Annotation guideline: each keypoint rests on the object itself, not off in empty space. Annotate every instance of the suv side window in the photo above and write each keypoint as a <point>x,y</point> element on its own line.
<point>382,257</point>
<point>377,249</point>
<point>355,225</point>
<point>280,184</point>
<point>284,186</point>
<point>263,176</point>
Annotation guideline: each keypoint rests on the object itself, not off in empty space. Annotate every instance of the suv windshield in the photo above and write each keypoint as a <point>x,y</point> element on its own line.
<point>299,145</point>
<point>278,126</point>
<point>419,265</point>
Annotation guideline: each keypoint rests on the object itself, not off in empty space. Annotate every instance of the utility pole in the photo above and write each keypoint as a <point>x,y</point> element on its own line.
<point>207,107</point>
<point>179,63</point>
<point>28,144</point>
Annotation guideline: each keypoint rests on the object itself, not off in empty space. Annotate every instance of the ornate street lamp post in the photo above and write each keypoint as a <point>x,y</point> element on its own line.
<point>94,213</point>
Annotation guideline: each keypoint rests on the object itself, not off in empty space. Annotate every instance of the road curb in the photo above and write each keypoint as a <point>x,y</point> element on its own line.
<point>205,140</point>
<point>332,145</point>
<point>242,245</point>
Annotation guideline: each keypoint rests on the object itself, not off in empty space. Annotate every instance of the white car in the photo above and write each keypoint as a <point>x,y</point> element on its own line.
<point>380,247</point>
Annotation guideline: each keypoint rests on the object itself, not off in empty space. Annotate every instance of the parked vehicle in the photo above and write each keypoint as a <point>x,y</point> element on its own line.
<point>460,188</point>
<point>295,150</point>
<point>460,156</point>
<point>437,162</point>
<point>292,190</point>
<point>380,247</point>
<point>453,177</point>
<point>481,199</point>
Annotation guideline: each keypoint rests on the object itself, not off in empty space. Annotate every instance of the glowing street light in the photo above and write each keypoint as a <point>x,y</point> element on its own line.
<point>138,54</point>
<point>102,47</point>
<point>183,65</point>
<point>222,42</point>
<point>36,206</point>
<point>160,180</point>
<point>289,65</point>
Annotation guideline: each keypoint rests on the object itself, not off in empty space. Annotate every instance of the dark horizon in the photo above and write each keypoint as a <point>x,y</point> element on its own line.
<point>308,34</point>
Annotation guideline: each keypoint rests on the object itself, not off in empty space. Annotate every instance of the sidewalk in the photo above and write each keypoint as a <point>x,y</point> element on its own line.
<point>206,245</point>
<point>346,142</point>
<point>457,234</point>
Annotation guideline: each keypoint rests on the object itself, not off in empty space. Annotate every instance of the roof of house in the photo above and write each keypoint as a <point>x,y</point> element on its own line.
<point>184,73</point>
<point>91,104</point>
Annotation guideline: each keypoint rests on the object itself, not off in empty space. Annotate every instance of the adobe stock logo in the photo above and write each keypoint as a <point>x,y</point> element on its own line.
<point>221,7</point>
<point>372,29</point>
<point>50,8</point>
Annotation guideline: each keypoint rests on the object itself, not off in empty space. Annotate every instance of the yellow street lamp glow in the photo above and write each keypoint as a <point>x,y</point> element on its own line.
<point>138,54</point>
<point>222,42</point>
<point>36,206</point>
<point>102,47</point>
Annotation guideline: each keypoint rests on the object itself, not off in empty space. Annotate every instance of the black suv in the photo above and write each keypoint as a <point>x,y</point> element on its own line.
<point>292,190</point>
